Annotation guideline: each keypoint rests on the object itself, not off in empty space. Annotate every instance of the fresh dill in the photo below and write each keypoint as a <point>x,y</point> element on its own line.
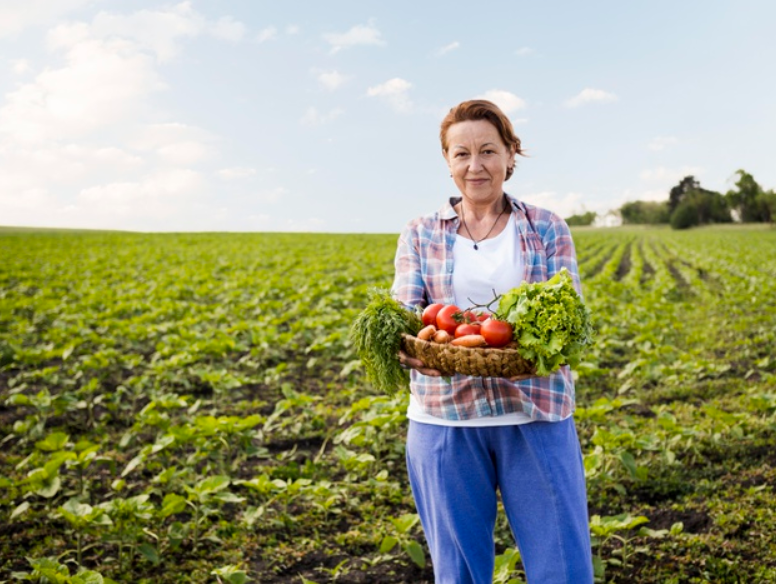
<point>376,334</point>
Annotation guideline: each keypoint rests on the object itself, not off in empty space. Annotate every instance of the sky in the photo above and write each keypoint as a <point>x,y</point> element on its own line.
<point>313,116</point>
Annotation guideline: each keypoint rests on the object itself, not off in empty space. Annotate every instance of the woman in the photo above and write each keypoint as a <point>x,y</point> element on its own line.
<point>471,437</point>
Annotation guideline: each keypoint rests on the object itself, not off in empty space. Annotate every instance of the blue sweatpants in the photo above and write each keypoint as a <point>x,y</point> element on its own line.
<point>455,473</point>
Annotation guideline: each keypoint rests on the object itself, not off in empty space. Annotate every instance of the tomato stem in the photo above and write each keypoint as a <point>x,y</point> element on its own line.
<point>496,298</point>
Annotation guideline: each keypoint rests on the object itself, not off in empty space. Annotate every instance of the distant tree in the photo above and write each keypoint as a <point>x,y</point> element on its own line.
<point>750,200</point>
<point>645,212</point>
<point>710,206</point>
<point>581,219</point>
<point>689,204</point>
<point>684,216</point>
<point>677,194</point>
<point>769,197</point>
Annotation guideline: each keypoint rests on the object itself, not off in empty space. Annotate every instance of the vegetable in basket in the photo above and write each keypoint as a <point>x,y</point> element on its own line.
<point>551,322</point>
<point>376,334</point>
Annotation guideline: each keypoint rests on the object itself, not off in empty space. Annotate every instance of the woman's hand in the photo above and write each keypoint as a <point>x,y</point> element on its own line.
<point>418,365</point>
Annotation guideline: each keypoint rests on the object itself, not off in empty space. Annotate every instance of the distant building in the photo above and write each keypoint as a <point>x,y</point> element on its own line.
<point>609,219</point>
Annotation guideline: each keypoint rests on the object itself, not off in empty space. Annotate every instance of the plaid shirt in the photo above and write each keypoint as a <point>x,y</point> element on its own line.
<point>424,274</point>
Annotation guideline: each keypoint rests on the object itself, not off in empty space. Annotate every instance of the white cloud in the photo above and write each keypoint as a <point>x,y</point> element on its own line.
<point>260,222</point>
<point>643,195</point>
<point>15,16</point>
<point>75,145</point>
<point>100,83</point>
<point>669,175</point>
<point>157,31</point>
<point>266,222</point>
<point>311,224</point>
<point>20,66</point>
<point>184,153</point>
<point>23,203</point>
<point>395,92</point>
<point>331,80</point>
<point>267,34</point>
<point>562,205</point>
<point>447,48</point>
<point>228,29</point>
<point>236,172</point>
<point>174,143</point>
<point>661,142</point>
<point>360,34</point>
<point>169,183</point>
<point>590,95</point>
<point>506,100</point>
<point>293,29</point>
<point>524,51</point>
<point>272,195</point>
<point>157,196</point>
<point>313,117</point>
<point>115,157</point>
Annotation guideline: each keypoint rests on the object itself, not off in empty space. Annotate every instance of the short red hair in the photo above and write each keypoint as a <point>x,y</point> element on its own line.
<point>481,109</point>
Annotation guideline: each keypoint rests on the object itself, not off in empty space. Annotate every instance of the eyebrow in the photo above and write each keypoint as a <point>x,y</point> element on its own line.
<point>482,146</point>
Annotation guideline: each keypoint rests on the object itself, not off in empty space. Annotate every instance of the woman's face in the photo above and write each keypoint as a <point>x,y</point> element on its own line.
<point>478,159</point>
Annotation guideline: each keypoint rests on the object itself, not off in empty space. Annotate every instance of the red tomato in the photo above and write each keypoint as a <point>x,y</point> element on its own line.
<point>474,317</point>
<point>446,320</point>
<point>497,333</point>
<point>467,329</point>
<point>430,314</point>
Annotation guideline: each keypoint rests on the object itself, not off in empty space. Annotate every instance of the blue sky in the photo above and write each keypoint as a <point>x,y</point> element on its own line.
<point>323,116</point>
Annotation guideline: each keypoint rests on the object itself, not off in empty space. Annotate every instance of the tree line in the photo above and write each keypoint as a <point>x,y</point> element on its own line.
<point>689,205</point>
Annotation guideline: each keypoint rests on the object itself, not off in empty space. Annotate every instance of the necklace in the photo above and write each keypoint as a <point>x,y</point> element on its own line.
<point>463,219</point>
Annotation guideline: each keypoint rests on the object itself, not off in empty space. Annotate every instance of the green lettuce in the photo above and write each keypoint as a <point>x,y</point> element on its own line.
<point>551,322</point>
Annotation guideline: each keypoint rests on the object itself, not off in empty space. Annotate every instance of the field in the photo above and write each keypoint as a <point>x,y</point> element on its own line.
<point>188,408</point>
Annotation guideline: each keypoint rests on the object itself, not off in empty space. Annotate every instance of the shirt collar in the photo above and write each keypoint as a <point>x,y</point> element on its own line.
<point>447,212</point>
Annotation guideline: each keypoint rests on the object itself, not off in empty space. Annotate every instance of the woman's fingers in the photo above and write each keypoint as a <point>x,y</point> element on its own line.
<point>417,364</point>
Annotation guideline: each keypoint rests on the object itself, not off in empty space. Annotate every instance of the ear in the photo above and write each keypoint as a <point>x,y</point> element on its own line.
<point>444,154</point>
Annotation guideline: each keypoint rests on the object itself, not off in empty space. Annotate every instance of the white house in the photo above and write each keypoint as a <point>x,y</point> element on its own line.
<point>611,218</point>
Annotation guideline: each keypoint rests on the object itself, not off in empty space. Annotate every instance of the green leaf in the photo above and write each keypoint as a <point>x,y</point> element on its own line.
<point>53,442</point>
<point>149,552</point>
<point>404,523</point>
<point>133,464</point>
<point>49,488</point>
<point>20,510</point>
<point>388,543</point>
<point>629,462</point>
<point>416,553</point>
<point>172,504</point>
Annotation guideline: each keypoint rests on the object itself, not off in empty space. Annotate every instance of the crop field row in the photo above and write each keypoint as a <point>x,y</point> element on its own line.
<point>188,408</point>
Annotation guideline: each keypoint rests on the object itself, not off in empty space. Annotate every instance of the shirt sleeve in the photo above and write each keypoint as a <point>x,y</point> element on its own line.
<point>560,250</point>
<point>408,285</point>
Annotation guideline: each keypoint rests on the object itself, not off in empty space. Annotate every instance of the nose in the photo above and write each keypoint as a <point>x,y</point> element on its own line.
<point>475,164</point>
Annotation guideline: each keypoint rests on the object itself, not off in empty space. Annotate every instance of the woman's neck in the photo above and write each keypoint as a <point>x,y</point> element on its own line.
<point>482,210</point>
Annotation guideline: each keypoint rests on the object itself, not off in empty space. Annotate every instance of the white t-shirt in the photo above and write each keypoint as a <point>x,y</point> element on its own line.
<point>495,266</point>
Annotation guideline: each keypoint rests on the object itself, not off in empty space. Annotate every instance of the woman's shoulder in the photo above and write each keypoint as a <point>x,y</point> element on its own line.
<point>540,217</point>
<point>431,221</point>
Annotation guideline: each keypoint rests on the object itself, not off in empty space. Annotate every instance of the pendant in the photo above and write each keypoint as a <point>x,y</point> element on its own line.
<point>475,247</point>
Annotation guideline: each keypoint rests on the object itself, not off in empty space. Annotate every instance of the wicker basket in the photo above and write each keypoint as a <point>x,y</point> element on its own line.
<point>478,362</point>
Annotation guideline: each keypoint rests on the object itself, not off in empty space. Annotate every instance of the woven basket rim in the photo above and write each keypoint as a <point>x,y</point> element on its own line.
<point>480,350</point>
<point>474,361</point>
